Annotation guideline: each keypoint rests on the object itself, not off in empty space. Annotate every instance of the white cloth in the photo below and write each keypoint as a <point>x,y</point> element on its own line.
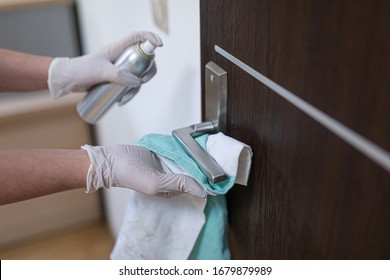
<point>154,229</point>
<point>158,228</point>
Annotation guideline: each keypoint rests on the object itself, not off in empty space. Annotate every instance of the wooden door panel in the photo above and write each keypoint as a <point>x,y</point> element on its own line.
<point>327,52</point>
<point>310,194</point>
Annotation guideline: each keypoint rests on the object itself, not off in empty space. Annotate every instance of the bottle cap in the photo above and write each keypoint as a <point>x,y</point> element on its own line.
<point>148,48</point>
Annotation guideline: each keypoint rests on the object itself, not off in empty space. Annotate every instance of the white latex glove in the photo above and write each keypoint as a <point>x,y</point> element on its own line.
<point>136,168</point>
<point>80,73</point>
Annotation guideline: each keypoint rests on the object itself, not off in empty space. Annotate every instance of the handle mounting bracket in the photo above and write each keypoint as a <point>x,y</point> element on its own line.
<point>215,115</point>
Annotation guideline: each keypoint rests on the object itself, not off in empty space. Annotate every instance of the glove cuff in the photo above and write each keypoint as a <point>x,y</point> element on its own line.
<point>58,77</point>
<point>95,175</point>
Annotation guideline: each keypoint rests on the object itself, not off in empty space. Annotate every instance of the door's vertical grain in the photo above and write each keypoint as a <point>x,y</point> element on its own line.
<point>310,194</point>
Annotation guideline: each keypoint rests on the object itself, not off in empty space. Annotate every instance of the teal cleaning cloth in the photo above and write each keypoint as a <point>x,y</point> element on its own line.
<point>212,240</point>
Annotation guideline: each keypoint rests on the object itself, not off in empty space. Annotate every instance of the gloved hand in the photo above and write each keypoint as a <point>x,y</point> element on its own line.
<point>136,168</point>
<point>80,73</point>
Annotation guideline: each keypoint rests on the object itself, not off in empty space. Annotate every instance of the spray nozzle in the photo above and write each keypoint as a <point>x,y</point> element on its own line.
<point>148,48</point>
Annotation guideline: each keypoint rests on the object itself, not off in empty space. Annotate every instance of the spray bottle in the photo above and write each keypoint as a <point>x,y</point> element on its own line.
<point>137,59</point>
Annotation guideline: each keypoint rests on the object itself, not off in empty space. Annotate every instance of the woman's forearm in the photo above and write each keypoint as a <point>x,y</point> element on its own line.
<point>23,72</point>
<point>29,173</point>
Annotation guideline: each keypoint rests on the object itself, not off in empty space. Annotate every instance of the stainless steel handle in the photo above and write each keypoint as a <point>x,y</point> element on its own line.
<point>215,103</point>
<point>205,162</point>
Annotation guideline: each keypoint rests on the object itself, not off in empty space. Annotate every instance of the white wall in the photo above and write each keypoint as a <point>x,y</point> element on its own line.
<point>171,99</point>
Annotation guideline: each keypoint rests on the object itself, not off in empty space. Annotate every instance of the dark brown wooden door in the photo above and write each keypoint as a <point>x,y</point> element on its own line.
<point>311,195</point>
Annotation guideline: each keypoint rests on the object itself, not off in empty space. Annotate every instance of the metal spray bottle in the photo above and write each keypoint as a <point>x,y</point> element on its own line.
<point>136,59</point>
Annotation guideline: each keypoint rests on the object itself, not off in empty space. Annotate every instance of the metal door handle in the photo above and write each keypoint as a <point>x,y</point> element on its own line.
<point>205,162</point>
<point>215,104</point>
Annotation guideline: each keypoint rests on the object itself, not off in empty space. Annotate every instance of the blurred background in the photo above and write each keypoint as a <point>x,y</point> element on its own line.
<point>74,225</point>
